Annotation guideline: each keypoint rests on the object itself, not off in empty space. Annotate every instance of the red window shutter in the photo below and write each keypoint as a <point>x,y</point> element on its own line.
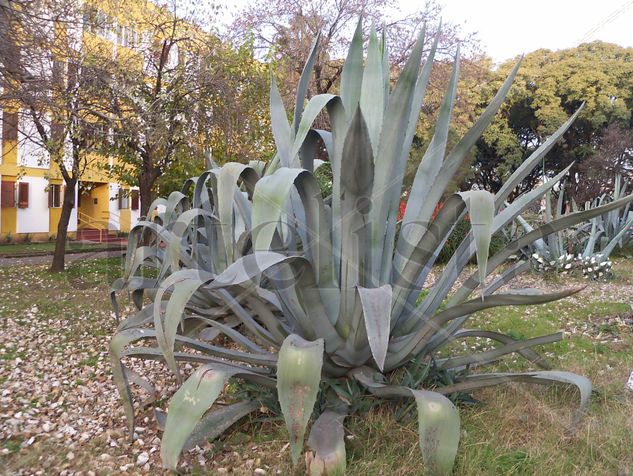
<point>7,194</point>
<point>23,195</point>
<point>135,200</point>
<point>51,191</point>
<point>120,197</point>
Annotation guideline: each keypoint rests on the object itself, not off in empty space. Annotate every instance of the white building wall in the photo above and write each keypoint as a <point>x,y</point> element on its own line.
<point>30,153</point>
<point>72,221</point>
<point>114,223</point>
<point>35,218</point>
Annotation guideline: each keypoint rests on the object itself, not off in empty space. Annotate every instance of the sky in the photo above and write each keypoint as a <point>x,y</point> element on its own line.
<point>507,28</point>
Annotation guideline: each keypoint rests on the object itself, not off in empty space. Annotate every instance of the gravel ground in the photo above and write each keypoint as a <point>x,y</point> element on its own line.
<point>59,410</point>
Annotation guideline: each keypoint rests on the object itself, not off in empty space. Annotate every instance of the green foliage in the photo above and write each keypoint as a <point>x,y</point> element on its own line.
<point>318,302</point>
<point>550,86</point>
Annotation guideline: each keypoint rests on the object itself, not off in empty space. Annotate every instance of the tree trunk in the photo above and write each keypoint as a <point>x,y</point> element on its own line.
<point>59,256</point>
<point>145,185</point>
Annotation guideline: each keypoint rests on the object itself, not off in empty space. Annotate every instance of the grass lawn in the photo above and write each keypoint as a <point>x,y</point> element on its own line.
<point>59,410</point>
<point>8,249</point>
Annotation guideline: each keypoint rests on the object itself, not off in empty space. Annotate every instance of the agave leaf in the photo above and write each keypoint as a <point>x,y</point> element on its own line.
<point>327,439</point>
<point>464,252</point>
<point>356,185</point>
<point>184,284</point>
<point>418,340</point>
<point>429,166</point>
<point>312,110</point>
<point>481,207</point>
<point>608,249</point>
<point>352,74</point>
<point>445,333</point>
<point>298,379</point>
<point>482,358</point>
<point>420,256</point>
<point>371,95</point>
<point>534,159</point>
<point>396,193</point>
<point>279,122</point>
<point>458,153</point>
<point>438,426</point>
<point>527,353</point>
<point>212,425</point>
<point>187,406</point>
<point>438,421</point>
<point>271,192</point>
<point>247,267</point>
<point>308,149</point>
<point>304,80</point>
<point>176,203</point>
<point>387,176</point>
<point>227,189</point>
<point>543,377</point>
<point>119,376</point>
<point>141,318</point>
<point>376,305</point>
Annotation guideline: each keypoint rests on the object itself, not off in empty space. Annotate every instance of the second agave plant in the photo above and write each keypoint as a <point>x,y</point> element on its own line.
<point>316,303</point>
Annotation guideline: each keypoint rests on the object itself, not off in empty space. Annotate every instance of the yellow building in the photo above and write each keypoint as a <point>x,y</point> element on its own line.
<point>32,192</point>
<point>31,189</point>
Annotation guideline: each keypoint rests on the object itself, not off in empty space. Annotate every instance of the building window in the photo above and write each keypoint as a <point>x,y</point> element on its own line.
<point>23,195</point>
<point>124,199</point>
<point>54,196</point>
<point>134,200</point>
<point>7,194</point>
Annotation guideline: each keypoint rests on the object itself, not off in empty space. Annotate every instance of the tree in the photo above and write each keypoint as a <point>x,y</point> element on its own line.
<point>173,100</point>
<point>48,81</point>
<point>614,156</point>
<point>282,31</point>
<point>549,88</point>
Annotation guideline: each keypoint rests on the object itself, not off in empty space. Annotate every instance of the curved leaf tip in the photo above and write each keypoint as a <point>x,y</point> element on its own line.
<point>298,378</point>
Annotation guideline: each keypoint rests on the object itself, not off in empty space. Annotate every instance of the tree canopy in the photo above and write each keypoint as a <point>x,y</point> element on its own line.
<point>551,86</point>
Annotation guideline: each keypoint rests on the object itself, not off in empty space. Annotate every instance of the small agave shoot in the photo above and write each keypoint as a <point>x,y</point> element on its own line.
<point>316,301</point>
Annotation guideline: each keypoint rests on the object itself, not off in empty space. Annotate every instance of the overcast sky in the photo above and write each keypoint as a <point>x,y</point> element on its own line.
<point>507,28</point>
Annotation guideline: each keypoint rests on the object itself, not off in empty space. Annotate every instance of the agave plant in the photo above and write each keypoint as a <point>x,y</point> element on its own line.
<point>557,251</point>
<point>611,229</point>
<point>588,246</point>
<point>252,274</point>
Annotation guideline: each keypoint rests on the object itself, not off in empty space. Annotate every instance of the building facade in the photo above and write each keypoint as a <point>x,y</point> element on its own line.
<point>31,192</point>
<point>31,185</point>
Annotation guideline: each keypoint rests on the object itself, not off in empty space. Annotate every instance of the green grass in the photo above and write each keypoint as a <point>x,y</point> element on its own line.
<point>49,247</point>
<point>517,429</point>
